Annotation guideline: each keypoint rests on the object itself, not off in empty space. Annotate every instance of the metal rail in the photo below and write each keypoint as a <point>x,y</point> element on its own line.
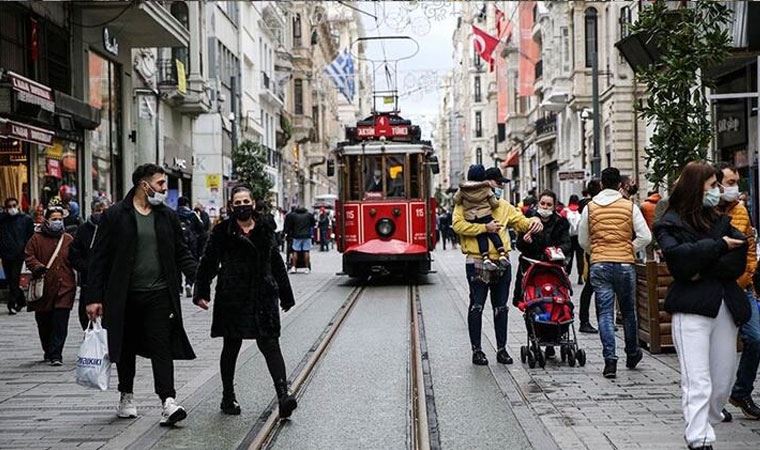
<point>419,420</point>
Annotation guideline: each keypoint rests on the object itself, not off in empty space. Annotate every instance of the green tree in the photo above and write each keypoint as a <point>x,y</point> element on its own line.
<point>249,160</point>
<point>690,40</point>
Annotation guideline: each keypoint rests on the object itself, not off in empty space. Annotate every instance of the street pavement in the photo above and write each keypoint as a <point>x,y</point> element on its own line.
<point>356,392</point>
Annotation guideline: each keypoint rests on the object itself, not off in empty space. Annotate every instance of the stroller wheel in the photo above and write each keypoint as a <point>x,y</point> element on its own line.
<point>524,353</point>
<point>581,356</point>
<point>563,353</point>
<point>570,358</point>
<point>531,359</point>
<point>541,359</point>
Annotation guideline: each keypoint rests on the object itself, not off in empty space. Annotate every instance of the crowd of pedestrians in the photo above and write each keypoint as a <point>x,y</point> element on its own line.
<point>132,259</point>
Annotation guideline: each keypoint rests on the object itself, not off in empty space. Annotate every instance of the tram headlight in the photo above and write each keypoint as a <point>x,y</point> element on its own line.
<point>385,227</point>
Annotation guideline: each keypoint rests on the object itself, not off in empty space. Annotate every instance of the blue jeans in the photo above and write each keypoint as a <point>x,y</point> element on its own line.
<point>478,293</point>
<point>747,372</point>
<point>610,280</point>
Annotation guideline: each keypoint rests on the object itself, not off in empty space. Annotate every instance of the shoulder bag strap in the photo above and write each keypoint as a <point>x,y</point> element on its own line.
<point>55,254</point>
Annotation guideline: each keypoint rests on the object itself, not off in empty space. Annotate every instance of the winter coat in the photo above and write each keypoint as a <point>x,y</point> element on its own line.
<point>80,251</point>
<point>556,233</point>
<point>704,270</point>
<point>506,214</point>
<point>740,220</point>
<point>301,224</point>
<point>477,199</point>
<point>252,277</point>
<point>111,263</point>
<point>15,232</point>
<point>647,208</point>
<point>193,230</point>
<point>60,281</point>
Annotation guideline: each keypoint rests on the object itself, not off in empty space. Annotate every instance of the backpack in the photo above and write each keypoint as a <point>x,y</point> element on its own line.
<point>574,217</point>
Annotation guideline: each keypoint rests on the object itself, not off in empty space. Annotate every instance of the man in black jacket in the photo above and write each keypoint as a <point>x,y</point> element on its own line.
<point>79,252</point>
<point>194,233</point>
<point>302,223</point>
<point>16,228</point>
<point>134,282</point>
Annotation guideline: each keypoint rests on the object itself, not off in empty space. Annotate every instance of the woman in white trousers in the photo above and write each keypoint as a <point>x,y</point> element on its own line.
<point>705,256</point>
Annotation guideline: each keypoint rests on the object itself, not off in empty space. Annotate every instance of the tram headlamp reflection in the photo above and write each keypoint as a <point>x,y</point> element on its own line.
<point>385,227</point>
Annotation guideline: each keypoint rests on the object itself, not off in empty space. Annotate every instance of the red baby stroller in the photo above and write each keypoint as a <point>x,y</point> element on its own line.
<point>548,311</point>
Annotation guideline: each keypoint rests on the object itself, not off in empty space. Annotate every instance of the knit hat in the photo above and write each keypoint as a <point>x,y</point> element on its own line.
<point>476,172</point>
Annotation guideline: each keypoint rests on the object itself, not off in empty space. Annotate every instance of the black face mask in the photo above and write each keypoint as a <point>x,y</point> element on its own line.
<point>242,212</point>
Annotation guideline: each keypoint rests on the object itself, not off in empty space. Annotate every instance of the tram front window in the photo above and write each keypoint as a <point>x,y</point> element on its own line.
<point>395,176</point>
<point>373,176</point>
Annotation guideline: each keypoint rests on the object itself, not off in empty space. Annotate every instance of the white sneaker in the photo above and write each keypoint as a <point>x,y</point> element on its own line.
<point>293,270</point>
<point>127,408</point>
<point>188,291</point>
<point>172,413</point>
<point>307,270</point>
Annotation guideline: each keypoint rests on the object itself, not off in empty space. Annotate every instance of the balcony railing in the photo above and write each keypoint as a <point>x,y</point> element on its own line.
<point>546,125</point>
<point>539,71</point>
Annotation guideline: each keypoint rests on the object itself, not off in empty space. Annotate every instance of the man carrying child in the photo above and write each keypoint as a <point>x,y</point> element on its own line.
<point>482,276</point>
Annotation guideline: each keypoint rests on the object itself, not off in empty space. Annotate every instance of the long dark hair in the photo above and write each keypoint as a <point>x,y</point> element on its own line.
<point>688,194</point>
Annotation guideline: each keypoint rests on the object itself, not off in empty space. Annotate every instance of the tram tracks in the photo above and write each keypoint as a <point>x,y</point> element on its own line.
<point>422,429</point>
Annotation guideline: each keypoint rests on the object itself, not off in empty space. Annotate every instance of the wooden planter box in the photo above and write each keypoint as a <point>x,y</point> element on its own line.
<point>652,282</point>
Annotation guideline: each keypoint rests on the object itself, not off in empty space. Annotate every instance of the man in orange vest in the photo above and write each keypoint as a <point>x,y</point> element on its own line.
<point>605,232</point>
<point>648,206</point>
<point>741,395</point>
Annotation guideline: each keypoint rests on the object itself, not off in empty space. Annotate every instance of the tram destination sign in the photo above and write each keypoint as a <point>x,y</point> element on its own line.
<point>371,132</point>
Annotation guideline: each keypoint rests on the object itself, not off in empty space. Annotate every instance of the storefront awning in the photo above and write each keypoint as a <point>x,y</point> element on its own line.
<point>10,129</point>
<point>83,114</point>
<point>512,159</point>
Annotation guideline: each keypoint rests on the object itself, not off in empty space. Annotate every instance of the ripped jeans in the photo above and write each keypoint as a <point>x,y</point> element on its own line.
<point>478,293</point>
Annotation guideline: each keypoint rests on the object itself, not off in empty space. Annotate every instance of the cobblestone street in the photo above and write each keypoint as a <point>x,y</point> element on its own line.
<point>556,407</point>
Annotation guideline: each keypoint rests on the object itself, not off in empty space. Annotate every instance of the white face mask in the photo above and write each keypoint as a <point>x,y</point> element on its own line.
<point>498,192</point>
<point>545,212</point>
<point>13,211</point>
<point>730,194</point>
<point>157,198</point>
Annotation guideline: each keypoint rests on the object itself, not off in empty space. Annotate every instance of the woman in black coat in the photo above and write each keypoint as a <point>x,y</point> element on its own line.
<point>242,252</point>
<point>556,233</point>
<point>705,256</point>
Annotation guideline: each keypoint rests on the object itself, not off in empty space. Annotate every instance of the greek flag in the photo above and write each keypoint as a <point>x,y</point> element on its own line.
<point>341,70</point>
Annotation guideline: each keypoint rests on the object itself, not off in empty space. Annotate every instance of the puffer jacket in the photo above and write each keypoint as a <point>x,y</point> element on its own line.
<point>477,199</point>
<point>704,270</point>
<point>740,220</point>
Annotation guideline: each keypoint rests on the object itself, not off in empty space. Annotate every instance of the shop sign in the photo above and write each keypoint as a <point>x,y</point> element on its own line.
<point>29,91</point>
<point>110,44</point>
<point>55,151</point>
<point>572,175</point>
<point>213,181</point>
<point>731,124</point>
<point>15,130</point>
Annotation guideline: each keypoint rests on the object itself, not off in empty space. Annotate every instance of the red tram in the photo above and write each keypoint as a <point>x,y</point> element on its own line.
<point>385,213</point>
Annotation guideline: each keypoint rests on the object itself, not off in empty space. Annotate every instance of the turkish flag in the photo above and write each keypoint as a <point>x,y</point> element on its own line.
<point>484,44</point>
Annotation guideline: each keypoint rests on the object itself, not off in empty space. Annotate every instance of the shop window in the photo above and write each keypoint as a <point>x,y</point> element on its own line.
<point>57,174</point>
<point>105,140</point>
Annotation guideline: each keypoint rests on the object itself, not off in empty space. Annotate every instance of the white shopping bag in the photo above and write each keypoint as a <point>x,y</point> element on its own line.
<point>93,364</point>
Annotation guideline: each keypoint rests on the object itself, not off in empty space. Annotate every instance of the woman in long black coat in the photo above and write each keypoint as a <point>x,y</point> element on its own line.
<point>242,252</point>
<point>705,256</point>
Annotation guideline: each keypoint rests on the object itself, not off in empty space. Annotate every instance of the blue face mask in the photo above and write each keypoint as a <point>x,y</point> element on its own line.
<point>498,192</point>
<point>711,198</point>
<point>55,225</point>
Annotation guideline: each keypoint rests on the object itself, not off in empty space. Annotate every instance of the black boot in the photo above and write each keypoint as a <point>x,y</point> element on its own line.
<point>230,406</point>
<point>610,368</point>
<point>479,358</point>
<point>287,402</point>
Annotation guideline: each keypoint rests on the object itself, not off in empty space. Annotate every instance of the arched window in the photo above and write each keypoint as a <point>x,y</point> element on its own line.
<point>591,36</point>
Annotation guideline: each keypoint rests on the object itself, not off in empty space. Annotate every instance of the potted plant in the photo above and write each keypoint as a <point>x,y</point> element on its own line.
<point>688,40</point>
